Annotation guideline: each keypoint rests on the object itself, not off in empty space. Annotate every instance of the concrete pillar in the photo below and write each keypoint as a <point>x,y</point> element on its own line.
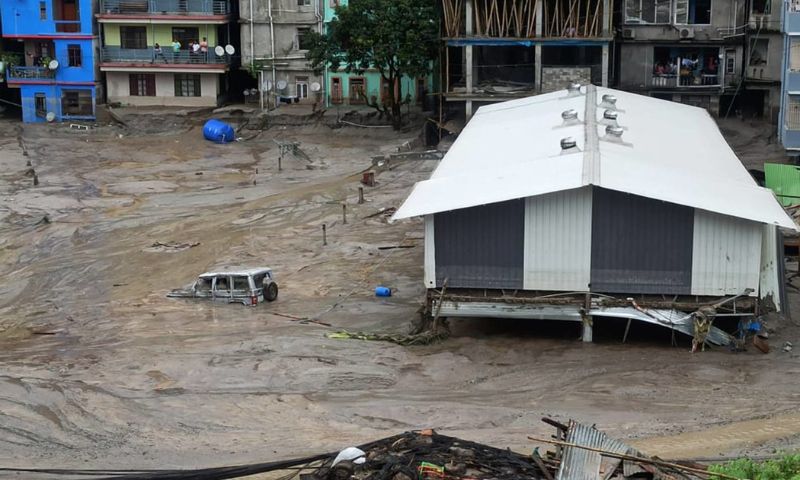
<point>605,65</point>
<point>537,53</point>
<point>587,329</point>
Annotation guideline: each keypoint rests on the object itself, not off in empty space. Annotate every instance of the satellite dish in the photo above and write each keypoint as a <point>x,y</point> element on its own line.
<point>229,49</point>
<point>316,87</point>
<point>266,86</point>
<point>219,50</point>
<point>246,92</point>
<point>281,84</point>
<point>50,116</point>
<point>53,64</point>
<point>253,91</point>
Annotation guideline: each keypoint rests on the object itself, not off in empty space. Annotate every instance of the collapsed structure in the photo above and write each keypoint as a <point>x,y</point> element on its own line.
<point>595,202</point>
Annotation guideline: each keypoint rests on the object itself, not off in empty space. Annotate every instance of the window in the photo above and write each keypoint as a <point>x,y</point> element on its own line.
<point>303,3</point>
<point>221,285</point>
<point>335,3</point>
<point>730,62</point>
<point>241,283</point>
<point>302,41</point>
<point>794,54</point>
<point>40,103</point>
<point>76,103</point>
<point>647,11</point>
<point>74,56</point>
<point>133,37</point>
<point>761,7</point>
<point>693,12</point>
<point>758,52</point>
<point>358,90</point>
<point>143,84</point>
<point>42,10</point>
<point>301,86</point>
<point>186,35</point>
<point>187,85</point>
<point>793,112</point>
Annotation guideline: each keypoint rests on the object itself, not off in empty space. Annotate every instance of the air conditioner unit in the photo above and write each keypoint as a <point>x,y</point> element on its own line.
<point>686,33</point>
<point>628,33</point>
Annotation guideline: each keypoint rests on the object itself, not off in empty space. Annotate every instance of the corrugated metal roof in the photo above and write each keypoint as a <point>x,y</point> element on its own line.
<point>784,180</point>
<point>512,150</point>
<point>582,464</point>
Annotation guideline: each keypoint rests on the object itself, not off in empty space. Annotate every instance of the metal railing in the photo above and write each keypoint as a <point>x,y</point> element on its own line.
<point>173,7</point>
<point>667,80</point>
<point>30,73</point>
<point>167,55</point>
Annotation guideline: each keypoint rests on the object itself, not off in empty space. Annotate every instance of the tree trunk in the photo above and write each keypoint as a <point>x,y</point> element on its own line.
<point>396,96</point>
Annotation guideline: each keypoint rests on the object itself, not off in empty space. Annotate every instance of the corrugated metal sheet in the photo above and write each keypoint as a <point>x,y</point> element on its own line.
<point>726,253</point>
<point>558,241</point>
<point>640,245</point>
<point>481,247</point>
<point>770,275</point>
<point>430,253</point>
<point>784,181</point>
<point>582,464</point>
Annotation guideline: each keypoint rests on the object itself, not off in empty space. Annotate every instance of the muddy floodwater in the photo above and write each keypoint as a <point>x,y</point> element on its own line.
<point>99,369</point>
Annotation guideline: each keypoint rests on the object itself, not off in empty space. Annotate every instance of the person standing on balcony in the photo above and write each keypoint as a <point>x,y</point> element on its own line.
<point>176,49</point>
<point>195,52</point>
<point>157,52</point>
<point>204,49</point>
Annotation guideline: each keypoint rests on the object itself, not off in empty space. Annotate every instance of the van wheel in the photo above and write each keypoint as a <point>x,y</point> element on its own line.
<point>271,292</point>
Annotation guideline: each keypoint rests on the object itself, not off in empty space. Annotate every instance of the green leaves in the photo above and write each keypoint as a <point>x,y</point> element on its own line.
<point>784,468</point>
<point>395,37</point>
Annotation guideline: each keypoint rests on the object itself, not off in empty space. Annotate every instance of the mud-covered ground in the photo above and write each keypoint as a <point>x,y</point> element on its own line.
<point>98,369</point>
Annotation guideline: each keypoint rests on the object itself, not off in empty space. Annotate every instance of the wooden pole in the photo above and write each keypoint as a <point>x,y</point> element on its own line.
<point>360,195</point>
<point>344,213</point>
<point>324,234</point>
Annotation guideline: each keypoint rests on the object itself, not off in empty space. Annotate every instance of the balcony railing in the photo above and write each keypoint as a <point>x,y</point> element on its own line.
<point>171,7</point>
<point>30,73</point>
<point>68,26</point>
<point>665,80</point>
<point>166,56</point>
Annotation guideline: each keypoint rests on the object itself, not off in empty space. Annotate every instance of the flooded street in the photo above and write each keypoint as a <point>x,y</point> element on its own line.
<point>98,369</point>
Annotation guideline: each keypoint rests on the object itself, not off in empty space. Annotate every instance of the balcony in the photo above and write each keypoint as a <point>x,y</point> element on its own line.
<point>16,74</point>
<point>147,56</point>
<point>665,80</point>
<point>165,7</point>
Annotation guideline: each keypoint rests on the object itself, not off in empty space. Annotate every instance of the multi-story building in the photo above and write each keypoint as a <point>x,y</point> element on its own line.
<point>789,122</point>
<point>501,49</point>
<point>688,51</point>
<point>344,88</point>
<point>764,67</point>
<point>148,56</point>
<point>56,76</point>
<point>274,46</point>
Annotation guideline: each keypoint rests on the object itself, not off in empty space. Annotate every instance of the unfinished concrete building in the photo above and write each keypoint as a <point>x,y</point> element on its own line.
<point>495,50</point>
<point>688,51</point>
<point>274,46</point>
<point>761,96</point>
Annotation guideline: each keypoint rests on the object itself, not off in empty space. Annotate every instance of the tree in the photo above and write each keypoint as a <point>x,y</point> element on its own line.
<point>396,37</point>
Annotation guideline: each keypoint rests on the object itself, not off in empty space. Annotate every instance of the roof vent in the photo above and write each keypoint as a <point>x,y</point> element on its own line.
<point>573,89</point>
<point>609,118</point>
<point>609,102</point>
<point>614,133</point>
<point>569,145</point>
<point>610,115</point>
<point>570,117</point>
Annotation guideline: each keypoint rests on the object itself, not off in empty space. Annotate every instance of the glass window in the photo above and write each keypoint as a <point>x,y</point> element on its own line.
<point>74,55</point>
<point>302,38</point>
<point>76,103</point>
<point>133,37</point>
<point>793,112</point>
<point>187,85</point>
<point>794,54</point>
<point>758,52</point>
<point>42,10</point>
<point>241,283</point>
<point>142,84</point>
<point>647,11</point>
<point>693,12</point>
<point>41,105</point>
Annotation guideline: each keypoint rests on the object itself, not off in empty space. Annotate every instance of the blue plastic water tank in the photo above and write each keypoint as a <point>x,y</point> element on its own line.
<point>218,131</point>
<point>383,292</point>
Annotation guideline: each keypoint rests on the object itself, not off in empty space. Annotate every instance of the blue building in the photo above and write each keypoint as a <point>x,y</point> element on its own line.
<point>789,126</point>
<point>56,77</point>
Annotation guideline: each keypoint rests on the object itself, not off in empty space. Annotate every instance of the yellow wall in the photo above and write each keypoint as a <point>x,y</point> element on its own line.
<point>163,34</point>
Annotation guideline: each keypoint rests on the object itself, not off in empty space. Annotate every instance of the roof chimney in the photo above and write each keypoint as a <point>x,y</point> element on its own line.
<point>573,89</point>
<point>614,133</point>
<point>609,102</point>
<point>570,117</point>
<point>569,145</point>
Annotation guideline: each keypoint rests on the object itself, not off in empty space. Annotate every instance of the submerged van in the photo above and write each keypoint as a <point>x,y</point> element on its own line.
<point>247,286</point>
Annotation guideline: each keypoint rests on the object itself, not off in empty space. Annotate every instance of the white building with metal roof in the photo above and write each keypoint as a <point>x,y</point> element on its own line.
<point>598,196</point>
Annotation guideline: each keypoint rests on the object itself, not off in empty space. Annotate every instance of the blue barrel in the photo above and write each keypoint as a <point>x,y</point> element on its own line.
<point>219,132</point>
<point>383,292</point>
